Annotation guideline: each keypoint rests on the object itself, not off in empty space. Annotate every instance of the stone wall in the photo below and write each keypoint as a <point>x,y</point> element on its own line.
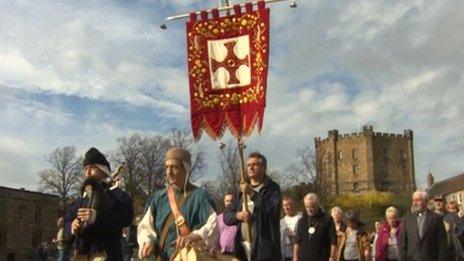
<point>26,219</point>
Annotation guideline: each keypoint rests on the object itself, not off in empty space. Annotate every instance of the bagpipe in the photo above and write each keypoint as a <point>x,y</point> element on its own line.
<point>95,192</point>
<point>94,195</point>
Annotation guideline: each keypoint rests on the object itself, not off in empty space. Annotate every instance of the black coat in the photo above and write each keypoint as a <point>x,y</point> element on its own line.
<point>431,247</point>
<point>266,223</point>
<point>316,246</point>
<point>105,233</point>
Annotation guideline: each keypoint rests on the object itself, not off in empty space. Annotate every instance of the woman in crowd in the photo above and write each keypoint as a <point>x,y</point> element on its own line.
<point>453,207</point>
<point>386,247</point>
<point>374,236</point>
<point>353,243</point>
<point>337,216</point>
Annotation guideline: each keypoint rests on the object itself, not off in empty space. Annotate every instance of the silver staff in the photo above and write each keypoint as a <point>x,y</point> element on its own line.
<point>222,8</point>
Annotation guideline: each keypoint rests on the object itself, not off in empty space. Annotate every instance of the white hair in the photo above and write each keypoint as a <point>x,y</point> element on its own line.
<point>336,210</point>
<point>311,197</point>
<point>392,210</point>
<point>422,193</point>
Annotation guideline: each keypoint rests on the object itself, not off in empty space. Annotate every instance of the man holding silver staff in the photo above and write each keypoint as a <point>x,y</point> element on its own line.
<point>178,217</point>
<point>96,220</point>
<point>264,203</point>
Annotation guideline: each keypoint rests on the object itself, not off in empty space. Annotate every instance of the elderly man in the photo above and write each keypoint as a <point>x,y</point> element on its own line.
<point>178,215</point>
<point>97,225</point>
<point>423,237</point>
<point>264,213</point>
<point>316,238</point>
<point>288,228</point>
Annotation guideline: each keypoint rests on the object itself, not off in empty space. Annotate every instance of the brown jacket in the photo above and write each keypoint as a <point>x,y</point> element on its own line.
<point>362,240</point>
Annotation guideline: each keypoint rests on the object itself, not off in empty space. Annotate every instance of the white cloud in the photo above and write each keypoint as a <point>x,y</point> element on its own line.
<point>396,64</point>
<point>100,51</point>
<point>407,70</point>
<point>16,146</point>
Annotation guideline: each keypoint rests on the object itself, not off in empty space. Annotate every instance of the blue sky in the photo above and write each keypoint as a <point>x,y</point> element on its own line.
<point>84,73</point>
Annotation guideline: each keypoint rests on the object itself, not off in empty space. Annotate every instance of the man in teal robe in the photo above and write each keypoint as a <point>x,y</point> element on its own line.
<point>198,212</point>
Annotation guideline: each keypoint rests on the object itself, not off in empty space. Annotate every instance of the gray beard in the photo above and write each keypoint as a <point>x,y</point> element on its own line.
<point>416,208</point>
<point>312,214</point>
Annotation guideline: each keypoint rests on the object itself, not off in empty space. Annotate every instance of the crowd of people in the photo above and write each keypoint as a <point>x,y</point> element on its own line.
<point>259,223</point>
<point>423,234</point>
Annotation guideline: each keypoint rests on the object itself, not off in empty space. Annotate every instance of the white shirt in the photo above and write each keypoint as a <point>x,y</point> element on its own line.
<point>146,233</point>
<point>251,206</point>
<point>288,224</point>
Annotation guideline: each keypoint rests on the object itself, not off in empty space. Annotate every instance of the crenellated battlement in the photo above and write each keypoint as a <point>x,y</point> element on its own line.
<point>366,131</point>
<point>384,135</point>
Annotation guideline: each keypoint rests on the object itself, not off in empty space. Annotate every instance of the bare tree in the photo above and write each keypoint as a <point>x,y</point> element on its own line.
<point>230,168</point>
<point>184,140</point>
<point>152,153</point>
<point>277,177</point>
<point>303,171</point>
<point>129,152</point>
<point>181,138</point>
<point>304,168</point>
<point>64,174</point>
<point>214,188</point>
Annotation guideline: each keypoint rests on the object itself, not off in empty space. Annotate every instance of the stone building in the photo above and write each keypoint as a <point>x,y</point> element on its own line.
<point>26,219</point>
<point>366,161</point>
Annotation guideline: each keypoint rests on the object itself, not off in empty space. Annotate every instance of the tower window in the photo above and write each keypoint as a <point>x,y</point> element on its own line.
<point>38,212</point>
<point>354,153</point>
<point>340,155</point>
<point>356,187</point>
<point>384,186</point>
<point>385,154</point>
<point>403,154</point>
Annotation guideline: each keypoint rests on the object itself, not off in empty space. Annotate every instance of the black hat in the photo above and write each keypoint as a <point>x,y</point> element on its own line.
<point>93,156</point>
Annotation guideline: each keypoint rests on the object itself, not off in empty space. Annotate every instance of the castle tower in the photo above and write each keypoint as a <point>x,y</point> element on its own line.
<point>366,161</point>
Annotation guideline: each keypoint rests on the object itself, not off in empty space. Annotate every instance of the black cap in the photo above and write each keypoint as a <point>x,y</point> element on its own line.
<point>93,156</point>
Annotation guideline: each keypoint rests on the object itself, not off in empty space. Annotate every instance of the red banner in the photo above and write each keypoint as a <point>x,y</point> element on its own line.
<point>227,68</point>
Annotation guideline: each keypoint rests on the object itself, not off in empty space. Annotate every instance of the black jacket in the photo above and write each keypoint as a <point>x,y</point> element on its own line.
<point>454,248</point>
<point>431,247</point>
<point>266,223</point>
<point>315,245</point>
<point>105,233</point>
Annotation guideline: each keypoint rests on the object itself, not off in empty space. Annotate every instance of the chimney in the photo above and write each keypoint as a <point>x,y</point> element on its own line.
<point>430,180</point>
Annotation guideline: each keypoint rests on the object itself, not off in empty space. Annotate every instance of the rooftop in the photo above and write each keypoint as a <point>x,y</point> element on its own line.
<point>447,186</point>
<point>23,190</point>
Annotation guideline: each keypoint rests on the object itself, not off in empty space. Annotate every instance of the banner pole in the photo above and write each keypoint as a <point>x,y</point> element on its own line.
<point>228,7</point>
<point>241,146</point>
